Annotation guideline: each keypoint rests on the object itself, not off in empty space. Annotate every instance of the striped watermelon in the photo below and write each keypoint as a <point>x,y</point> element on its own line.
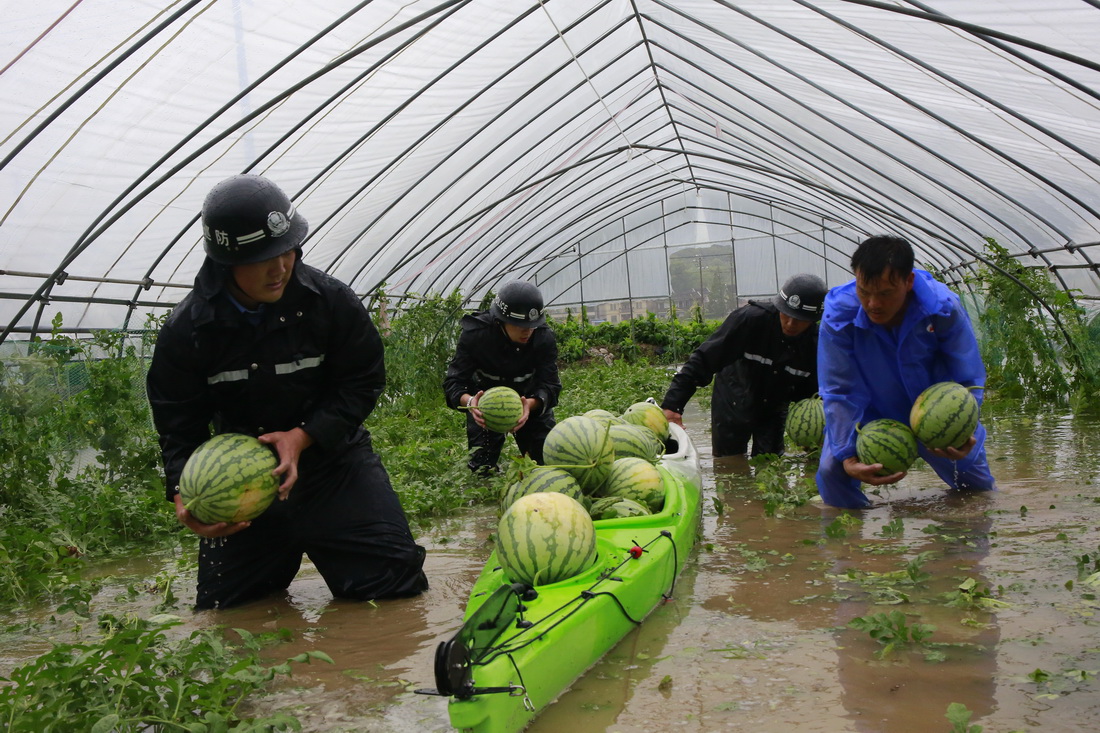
<point>637,479</point>
<point>543,478</point>
<point>581,446</point>
<point>945,415</point>
<point>501,408</point>
<point>604,416</point>
<point>888,442</point>
<point>806,423</point>
<point>635,441</point>
<point>650,416</point>
<point>228,479</point>
<point>544,538</point>
<point>614,507</point>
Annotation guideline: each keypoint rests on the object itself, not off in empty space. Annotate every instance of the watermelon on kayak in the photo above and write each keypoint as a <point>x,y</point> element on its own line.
<point>505,664</point>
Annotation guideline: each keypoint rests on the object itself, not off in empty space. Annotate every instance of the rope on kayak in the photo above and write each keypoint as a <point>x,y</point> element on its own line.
<point>583,597</point>
<point>675,564</point>
<point>522,688</point>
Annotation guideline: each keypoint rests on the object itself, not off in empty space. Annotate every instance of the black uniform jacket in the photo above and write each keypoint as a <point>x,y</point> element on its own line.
<point>485,357</point>
<point>769,369</point>
<point>314,361</point>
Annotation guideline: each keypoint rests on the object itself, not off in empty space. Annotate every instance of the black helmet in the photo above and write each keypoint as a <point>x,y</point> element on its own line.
<point>802,297</point>
<point>248,219</point>
<point>520,304</point>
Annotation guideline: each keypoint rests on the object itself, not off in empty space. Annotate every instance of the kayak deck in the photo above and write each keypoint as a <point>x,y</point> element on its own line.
<point>536,644</point>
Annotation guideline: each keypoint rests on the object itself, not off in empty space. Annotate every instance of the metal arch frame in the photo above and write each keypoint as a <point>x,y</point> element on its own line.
<point>103,73</point>
<point>615,256</point>
<point>673,151</point>
<point>1016,204</point>
<point>410,190</point>
<point>91,233</point>
<point>841,173</point>
<point>714,185</point>
<point>419,251</point>
<point>412,146</point>
<point>993,216</point>
<point>1031,123</point>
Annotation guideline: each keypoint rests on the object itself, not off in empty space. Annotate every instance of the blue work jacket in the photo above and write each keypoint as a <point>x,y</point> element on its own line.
<point>867,371</point>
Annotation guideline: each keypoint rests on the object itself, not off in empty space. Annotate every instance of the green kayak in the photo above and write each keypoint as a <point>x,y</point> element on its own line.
<point>521,647</point>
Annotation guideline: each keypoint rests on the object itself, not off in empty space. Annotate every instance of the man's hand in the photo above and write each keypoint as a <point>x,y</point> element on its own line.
<point>955,454</point>
<point>868,473</point>
<point>530,404</point>
<point>474,412</point>
<point>675,417</point>
<point>288,446</point>
<point>221,529</point>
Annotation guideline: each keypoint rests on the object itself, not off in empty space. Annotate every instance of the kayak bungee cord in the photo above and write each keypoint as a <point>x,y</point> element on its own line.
<point>529,636</point>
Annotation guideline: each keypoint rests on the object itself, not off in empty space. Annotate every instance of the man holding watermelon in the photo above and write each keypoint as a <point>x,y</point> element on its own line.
<point>885,337</point>
<point>508,345</point>
<point>761,358</point>
<point>268,346</point>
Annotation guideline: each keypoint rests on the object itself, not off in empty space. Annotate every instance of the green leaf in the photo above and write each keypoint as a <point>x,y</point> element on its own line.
<point>106,724</point>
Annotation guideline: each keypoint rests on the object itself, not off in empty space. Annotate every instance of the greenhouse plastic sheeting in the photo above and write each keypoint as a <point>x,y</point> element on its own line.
<point>580,145</point>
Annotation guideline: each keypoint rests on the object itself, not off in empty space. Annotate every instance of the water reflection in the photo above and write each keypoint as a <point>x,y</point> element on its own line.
<point>942,546</point>
<point>809,571</point>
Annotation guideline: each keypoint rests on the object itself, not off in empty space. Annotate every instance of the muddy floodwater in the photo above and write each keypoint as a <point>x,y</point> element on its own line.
<point>757,637</point>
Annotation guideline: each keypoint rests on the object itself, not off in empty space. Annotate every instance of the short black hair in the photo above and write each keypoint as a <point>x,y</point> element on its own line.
<point>875,254</point>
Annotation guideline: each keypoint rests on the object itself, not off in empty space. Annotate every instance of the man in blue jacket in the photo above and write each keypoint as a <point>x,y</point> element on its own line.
<point>884,338</point>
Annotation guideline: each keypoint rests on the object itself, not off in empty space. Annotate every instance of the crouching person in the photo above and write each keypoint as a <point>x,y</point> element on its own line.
<point>268,346</point>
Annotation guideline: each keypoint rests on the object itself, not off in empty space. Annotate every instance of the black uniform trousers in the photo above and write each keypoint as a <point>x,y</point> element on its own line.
<point>344,515</point>
<point>731,428</point>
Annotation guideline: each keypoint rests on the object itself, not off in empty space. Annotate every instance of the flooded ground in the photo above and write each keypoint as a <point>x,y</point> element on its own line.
<point>757,636</point>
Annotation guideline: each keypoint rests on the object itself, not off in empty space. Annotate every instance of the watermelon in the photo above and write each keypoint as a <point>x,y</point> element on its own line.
<point>614,507</point>
<point>228,479</point>
<point>806,423</point>
<point>945,415</point>
<point>581,446</point>
<point>635,441</point>
<point>544,538</point>
<point>650,416</point>
<point>888,442</point>
<point>604,416</point>
<point>637,479</point>
<point>542,478</point>
<point>501,408</point>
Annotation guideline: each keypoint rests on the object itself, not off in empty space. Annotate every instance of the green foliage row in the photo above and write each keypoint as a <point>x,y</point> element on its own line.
<point>646,338</point>
<point>135,677</point>
<point>79,461</point>
<point>1034,354</point>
